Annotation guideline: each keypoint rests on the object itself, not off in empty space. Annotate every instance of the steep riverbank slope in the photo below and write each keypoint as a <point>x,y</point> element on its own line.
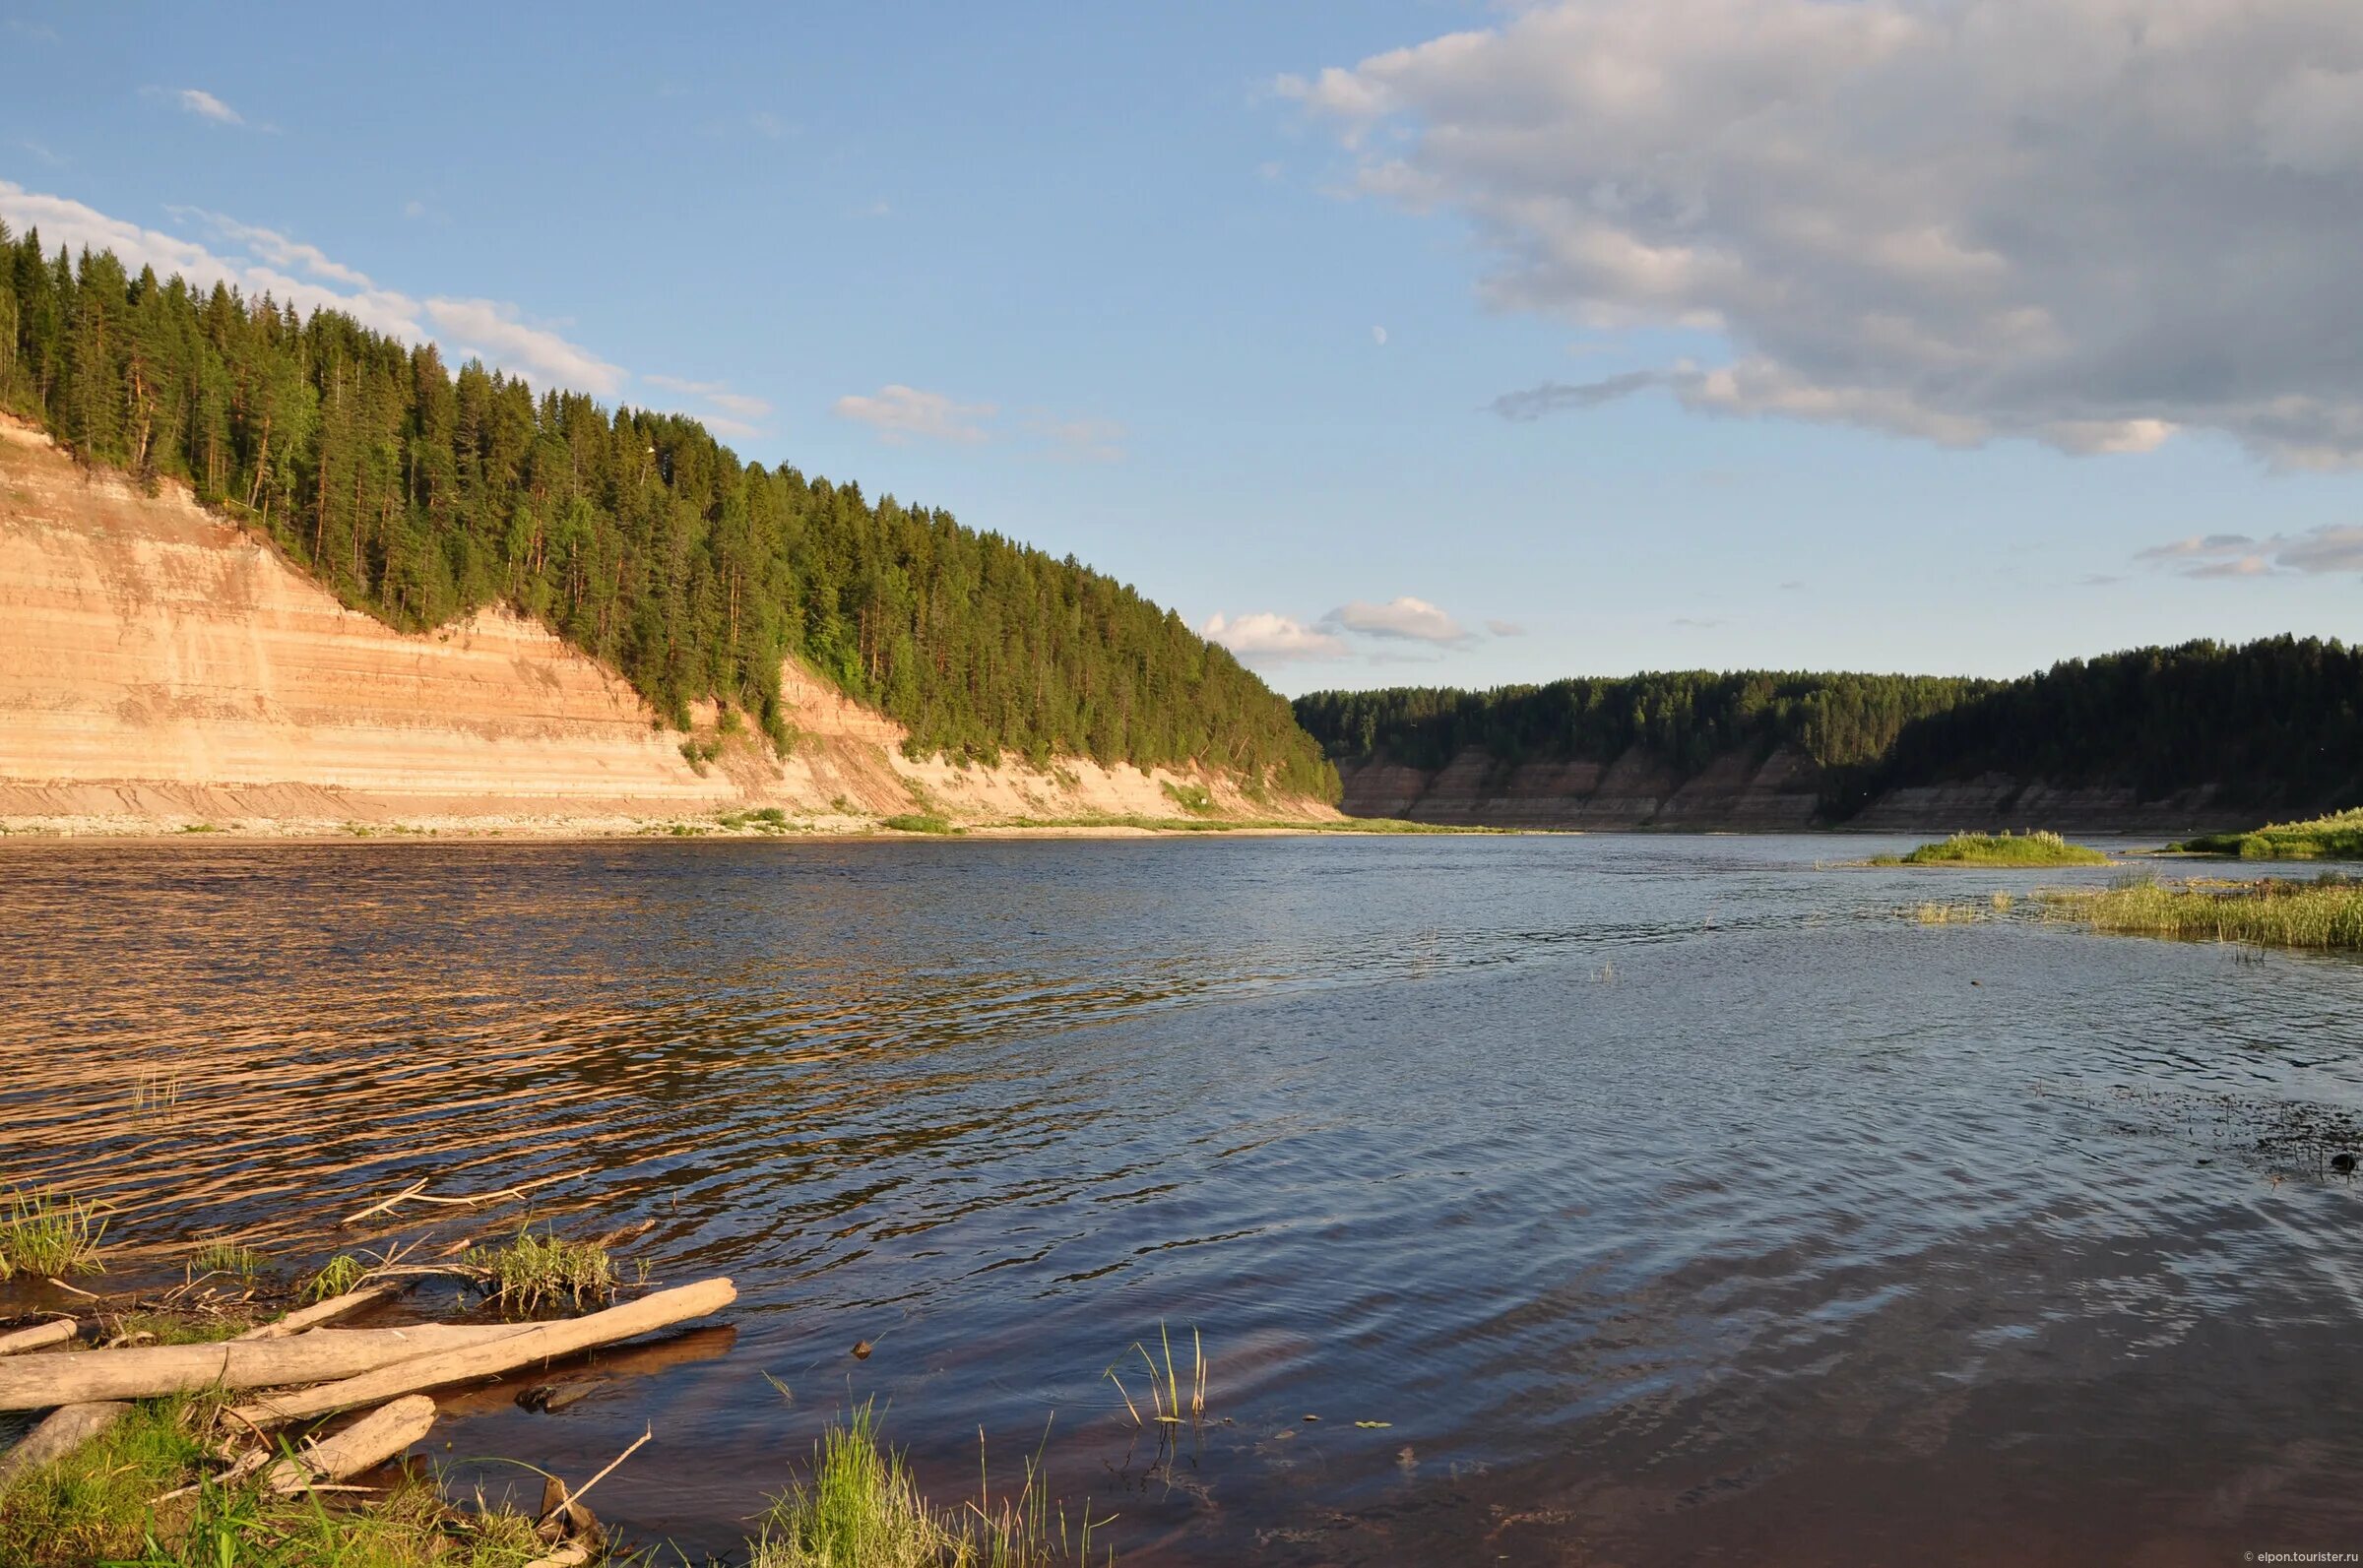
<point>1741,791</point>
<point>161,667</point>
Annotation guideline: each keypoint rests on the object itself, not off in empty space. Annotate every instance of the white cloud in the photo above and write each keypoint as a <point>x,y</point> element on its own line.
<point>197,101</point>
<point>716,392</point>
<point>497,332</point>
<point>2324,552</point>
<point>1408,618</point>
<point>2087,222</point>
<point>1378,336</point>
<point>252,261</point>
<point>1081,440</point>
<point>1505,628</point>
<point>1263,638</point>
<point>901,413</point>
<point>274,247</point>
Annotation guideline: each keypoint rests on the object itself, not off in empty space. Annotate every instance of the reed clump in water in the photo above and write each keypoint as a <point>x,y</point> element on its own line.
<point>2274,912</point>
<point>2337,837</point>
<point>549,1270</point>
<point>1998,849</point>
<point>861,1508</point>
<point>1166,1406</point>
<point>49,1234</point>
<point>228,1257</point>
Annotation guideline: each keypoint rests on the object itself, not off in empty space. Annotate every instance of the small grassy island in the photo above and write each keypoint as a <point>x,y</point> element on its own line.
<point>1998,849</point>
<point>2337,837</point>
<point>2274,912</point>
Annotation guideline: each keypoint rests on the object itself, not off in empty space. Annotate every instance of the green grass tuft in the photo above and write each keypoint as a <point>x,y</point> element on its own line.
<point>535,1271</point>
<point>919,822</point>
<point>337,1275</point>
<point>100,1505</point>
<point>1998,849</point>
<point>228,1257</point>
<point>49,1234</point>
<point>2337,837</point>
<point>861,1508</point>
<point>1196,798</point>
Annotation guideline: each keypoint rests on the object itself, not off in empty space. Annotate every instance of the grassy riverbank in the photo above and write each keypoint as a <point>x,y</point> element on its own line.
<point>2339,837</point>
<point>2275,913</point>
<point>1998,850</point>
<point>152,1482</point>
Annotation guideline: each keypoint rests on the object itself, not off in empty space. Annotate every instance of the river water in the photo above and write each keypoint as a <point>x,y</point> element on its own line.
<point>1667,1197</point>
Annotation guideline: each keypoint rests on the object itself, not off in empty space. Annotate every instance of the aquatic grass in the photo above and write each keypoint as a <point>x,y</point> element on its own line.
<point>861,1508</point>
<point>2337,836</point>
<point>2325,914</point>
<point>49,1234</point>
<point>1998,849</point>
<point>1166,1406</point>
<point>228,1257</point>
<point>533,1271</point>
<point>339,1275</point>
<point>1950,914</point>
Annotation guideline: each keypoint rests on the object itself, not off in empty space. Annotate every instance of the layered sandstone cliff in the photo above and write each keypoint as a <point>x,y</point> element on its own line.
<point>1738,793</point>
<point>161,667</point>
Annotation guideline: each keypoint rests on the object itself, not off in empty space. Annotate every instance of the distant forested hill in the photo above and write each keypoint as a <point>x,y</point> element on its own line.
<point>420,495</point>
<point>2266,723</point>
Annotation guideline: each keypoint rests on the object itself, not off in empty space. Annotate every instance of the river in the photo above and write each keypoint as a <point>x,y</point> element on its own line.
<point>1665,1198</point>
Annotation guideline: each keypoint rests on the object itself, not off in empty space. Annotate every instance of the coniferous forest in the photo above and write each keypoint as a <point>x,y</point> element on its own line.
<point>2273,722</point>
<point>420,494</point>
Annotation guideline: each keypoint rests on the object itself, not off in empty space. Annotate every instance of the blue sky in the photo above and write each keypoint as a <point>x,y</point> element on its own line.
<point>1142,283</point>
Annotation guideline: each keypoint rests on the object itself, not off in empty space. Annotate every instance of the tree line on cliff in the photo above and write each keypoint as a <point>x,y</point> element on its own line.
<point>2266,723</point>
<point>420,494</point>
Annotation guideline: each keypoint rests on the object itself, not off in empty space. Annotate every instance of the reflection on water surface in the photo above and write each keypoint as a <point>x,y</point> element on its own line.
<point>1667,1196</point>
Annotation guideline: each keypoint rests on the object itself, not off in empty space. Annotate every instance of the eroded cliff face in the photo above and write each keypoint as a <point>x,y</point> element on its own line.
<point>161,667</point>
<point>1739,794</point>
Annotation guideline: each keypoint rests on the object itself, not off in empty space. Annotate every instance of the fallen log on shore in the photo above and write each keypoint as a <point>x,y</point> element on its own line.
<point>328,1311</point>
<point>519,1347</point>
<point>41,1382</point>
<point>40,1337</point>
<point>59,1434</point>
<point>365,1445</point>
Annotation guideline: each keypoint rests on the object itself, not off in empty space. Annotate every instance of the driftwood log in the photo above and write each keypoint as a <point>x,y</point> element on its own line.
<point>365,1445</point>
<point>40,1337</point>
<point>39,1382</point>
<point>328,1311</point>
<point>64,1431</point>
<point>517,1347</point>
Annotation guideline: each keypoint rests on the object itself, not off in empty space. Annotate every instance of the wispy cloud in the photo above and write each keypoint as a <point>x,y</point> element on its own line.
<point>901,413</point>
<point>1553,397</point>
<point>38,32</point>
<point>499,333</point>
<point>1701,623</point>
<point>258,261</point>
<point>197,101</point>
<point>1405,618</point>
<point>745,404</point>
<point>1264,638</point>
<point>2329,551</point>
<point>42,153</point>
<point>1082,440</point>
<point>1505,628</point>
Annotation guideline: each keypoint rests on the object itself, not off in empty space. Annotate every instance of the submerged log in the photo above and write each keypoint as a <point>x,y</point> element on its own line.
<point>64,1431</point>
<point>40,1336</point>
<point>365,1445</point>
<point>521,1347</point>
<point>39,1382</point>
